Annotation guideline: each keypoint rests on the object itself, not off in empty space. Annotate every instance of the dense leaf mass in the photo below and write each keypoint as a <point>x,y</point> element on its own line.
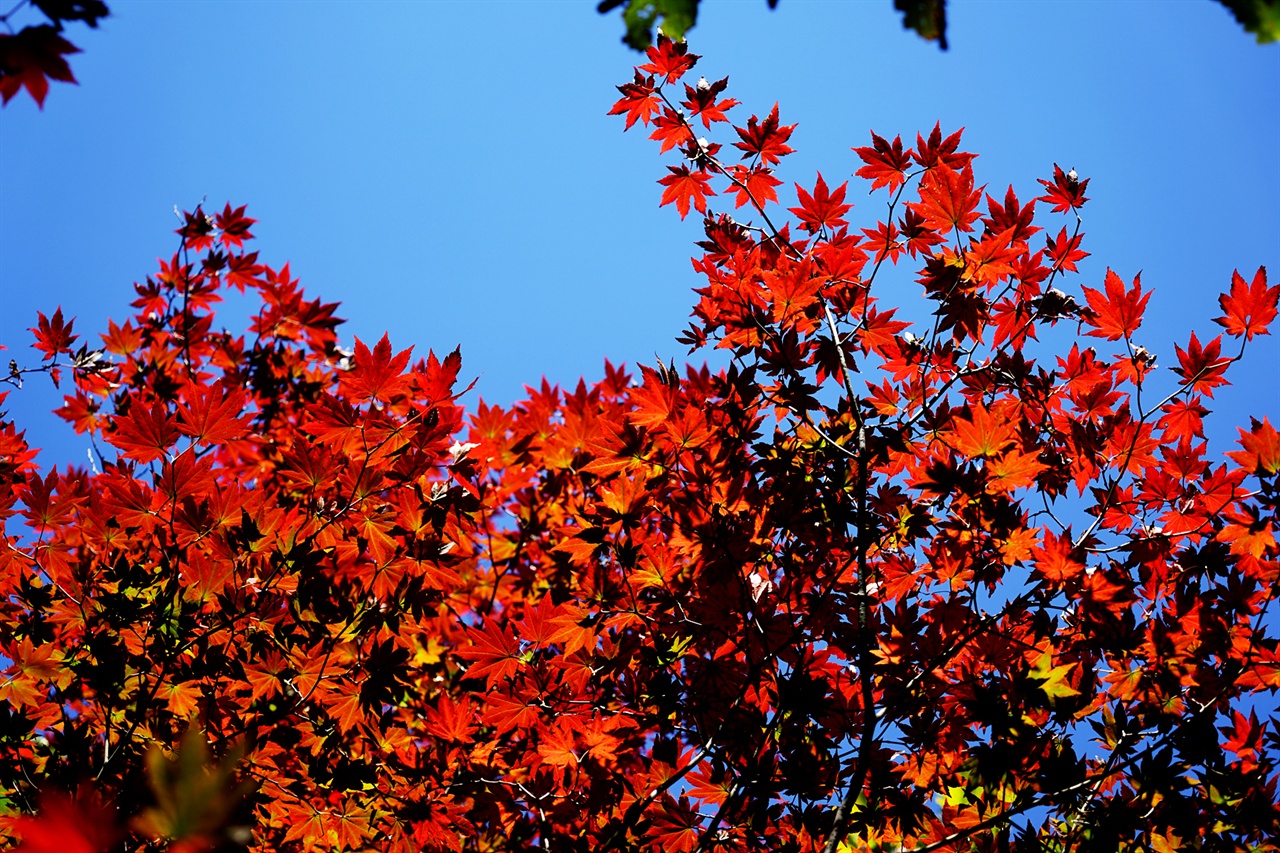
<point>874,585</point>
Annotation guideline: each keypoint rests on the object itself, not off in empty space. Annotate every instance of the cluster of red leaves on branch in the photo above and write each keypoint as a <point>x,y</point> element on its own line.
<point>864,588</point>
<point>269,553</point>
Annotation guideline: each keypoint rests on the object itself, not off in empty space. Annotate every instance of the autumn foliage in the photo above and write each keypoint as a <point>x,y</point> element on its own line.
<point>968,584</point>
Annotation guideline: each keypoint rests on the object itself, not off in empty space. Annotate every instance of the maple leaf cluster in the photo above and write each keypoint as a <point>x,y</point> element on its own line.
<point>872,585</point>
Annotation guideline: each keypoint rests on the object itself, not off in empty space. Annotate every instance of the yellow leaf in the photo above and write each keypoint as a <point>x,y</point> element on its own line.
<point>1055,684</point>
<point>1162,843</point>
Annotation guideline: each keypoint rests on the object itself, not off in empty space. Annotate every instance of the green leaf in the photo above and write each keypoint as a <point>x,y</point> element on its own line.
<point>927,17</point>
<point>195,793</point>
<point>1260,17</point>
<point>676,17</point>
<point>671,649</point>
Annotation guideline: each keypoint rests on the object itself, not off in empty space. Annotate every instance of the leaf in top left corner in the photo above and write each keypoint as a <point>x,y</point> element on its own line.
<point>31,58</point>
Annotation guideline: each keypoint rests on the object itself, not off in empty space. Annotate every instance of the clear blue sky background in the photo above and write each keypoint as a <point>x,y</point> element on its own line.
<point>448,173</point>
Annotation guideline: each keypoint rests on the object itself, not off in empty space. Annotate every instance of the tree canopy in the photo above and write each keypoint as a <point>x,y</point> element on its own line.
<point>974,583</point>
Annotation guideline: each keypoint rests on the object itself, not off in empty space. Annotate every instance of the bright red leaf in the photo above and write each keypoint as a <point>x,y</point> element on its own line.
<point>766,140</point>
<point>886,163</point>
<point>1117,313</point>
<point>685,187</point>
<point>822,209</point>
<point>1249,308</point>
<point>376,374</point>
<point>1202,367</point>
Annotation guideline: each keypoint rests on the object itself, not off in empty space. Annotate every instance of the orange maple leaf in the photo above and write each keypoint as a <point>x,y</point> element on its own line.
<point>1054,559</point>
<point>495,652</point>
<point>985,433</point>
<point>1261,448</point>
<point>1013,470</point>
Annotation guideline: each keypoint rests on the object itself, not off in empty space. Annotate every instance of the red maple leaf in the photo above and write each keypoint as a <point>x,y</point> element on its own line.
<point>883,242</point>
<point>823,209</point>
<point>1248,531</point>
<point>639,100</point>
<point>685,187</point>
<point>671,130</point>
<point>1009,215</point>
<point>937,151</point>
<point>121,340</point>
<point>53,336</point>
<point>880,330</point>
<point>1065,250</point>
<point>990,261</point>
<point>765,139</point>
<point>81,412</point>
<point>143,434</point>
<point>654,400</point>
<point>1013,470</point>
<point>32,58</point>
<point>451,720</point>
<point>234,226</point>
<point>918,233</point>
<point>701,101</point>
<point>887,163</point>
<point>548,623</point>
<point>754,186</point>
<point>1065,192</point>
<point>1118,313</point>
<point>1055,559</point>
<point>948,200</point>
<point>1183,419</point>
<point>1244,736</point>
<point>677,826</point>
<point>1201,368</point>
<point>376,374</point>
<point>506,714</point>
<point>211,416</point>
<point>557,746</point>
<point>197,235</point>
<point>1249,308</point>
<point>792,291</point>
<point>670,59</point>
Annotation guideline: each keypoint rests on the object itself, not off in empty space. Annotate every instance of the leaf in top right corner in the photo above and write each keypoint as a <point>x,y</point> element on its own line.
<point>1249,308</point>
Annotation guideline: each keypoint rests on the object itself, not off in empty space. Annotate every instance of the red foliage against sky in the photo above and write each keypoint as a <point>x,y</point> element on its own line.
<point>932,588</point>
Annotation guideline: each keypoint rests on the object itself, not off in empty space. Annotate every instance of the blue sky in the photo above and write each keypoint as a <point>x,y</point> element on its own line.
<point>447,171</point>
